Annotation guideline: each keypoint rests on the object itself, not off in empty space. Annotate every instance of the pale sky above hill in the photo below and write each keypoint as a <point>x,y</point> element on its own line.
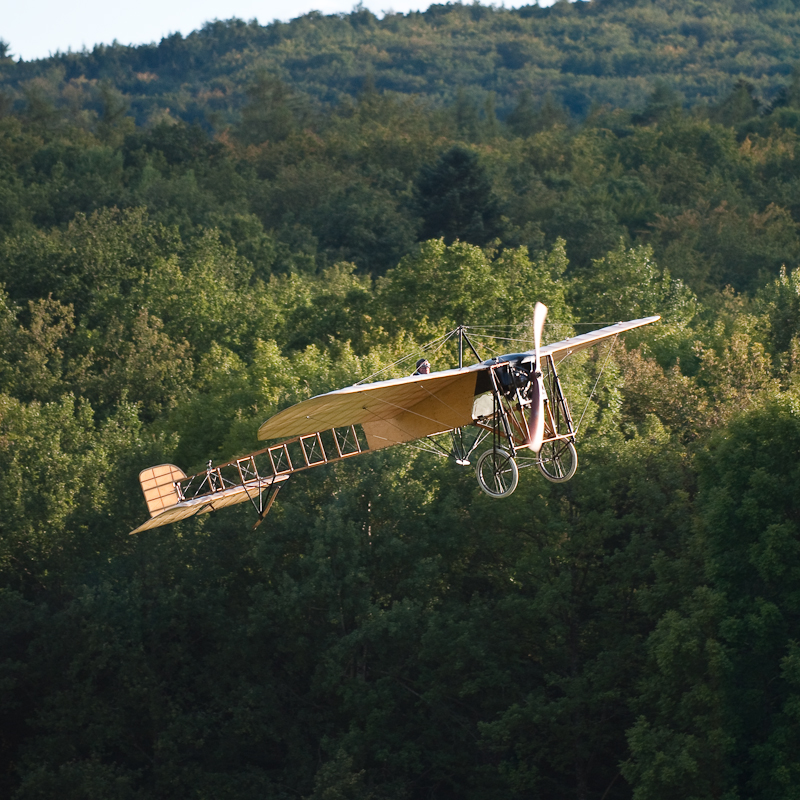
<point>38,28</point>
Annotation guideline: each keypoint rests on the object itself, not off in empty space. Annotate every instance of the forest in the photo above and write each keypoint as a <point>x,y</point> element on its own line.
<point>183,255</point>
<point>584,54</point>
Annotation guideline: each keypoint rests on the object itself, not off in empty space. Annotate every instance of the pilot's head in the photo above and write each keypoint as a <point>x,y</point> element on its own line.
<point>423,366</point>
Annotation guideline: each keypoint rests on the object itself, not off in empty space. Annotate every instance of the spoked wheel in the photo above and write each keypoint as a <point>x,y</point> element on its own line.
<point>558,460</point>
<point>497,472</point>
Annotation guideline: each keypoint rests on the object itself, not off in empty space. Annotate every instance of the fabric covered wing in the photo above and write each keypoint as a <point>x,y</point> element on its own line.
<point>559,350</point>
<point>390,412</point>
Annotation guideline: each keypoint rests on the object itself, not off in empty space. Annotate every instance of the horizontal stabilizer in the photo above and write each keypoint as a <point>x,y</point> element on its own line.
<point>249,491</point>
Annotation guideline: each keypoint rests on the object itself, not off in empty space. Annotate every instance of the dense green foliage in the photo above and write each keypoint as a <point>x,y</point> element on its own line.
<point>389,632</point>
<point>582,53</point>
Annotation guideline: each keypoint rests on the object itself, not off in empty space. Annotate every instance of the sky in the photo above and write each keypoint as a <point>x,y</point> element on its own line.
<point>39,28</point>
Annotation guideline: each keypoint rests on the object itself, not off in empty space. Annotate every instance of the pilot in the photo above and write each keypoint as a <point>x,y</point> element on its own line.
<point>423,367</point>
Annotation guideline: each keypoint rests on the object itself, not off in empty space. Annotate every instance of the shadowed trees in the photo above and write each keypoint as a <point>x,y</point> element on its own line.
<point>455,200</point>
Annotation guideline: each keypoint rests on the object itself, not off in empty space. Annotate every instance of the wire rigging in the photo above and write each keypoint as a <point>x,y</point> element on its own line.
<point>483,334</point>
<point>432,345</point>
<point>599,375</point>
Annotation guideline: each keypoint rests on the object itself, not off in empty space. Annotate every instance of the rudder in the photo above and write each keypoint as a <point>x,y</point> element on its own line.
<point>159,486</point>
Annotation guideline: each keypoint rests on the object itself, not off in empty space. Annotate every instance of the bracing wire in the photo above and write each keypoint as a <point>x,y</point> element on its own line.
<point>479,333</point>
<point>549,324</point>
<point>432,345</point>
<point>599,375</point>
<point>485,346</point>
<point>481,337</point>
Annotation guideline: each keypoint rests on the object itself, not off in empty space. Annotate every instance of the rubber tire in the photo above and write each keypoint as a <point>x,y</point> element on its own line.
<point>558,460</point>
<point>501,470</point>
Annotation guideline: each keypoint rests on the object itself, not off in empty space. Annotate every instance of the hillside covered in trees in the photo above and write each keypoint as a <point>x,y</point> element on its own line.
<point>583,54</point>
<point>197,234</point>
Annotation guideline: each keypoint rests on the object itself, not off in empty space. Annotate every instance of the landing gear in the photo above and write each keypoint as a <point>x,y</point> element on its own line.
<point>558,460</point>
<point>497,472</point>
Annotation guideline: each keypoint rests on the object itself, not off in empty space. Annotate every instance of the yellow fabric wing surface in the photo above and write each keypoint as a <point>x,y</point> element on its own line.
<point>560,350</point>
<point>390,412</point>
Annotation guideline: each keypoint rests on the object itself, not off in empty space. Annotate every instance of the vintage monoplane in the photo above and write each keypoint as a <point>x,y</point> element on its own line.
<point>507,409</point>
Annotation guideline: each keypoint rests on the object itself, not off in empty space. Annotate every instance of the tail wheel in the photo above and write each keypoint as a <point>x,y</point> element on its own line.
<point>497,472</point>
<point>558,460</point>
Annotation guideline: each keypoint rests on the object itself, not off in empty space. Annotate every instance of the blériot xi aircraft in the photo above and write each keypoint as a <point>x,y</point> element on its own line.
<point>511,408</point>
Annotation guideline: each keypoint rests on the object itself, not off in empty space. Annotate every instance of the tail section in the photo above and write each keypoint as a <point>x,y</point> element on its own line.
<point>160,487</point>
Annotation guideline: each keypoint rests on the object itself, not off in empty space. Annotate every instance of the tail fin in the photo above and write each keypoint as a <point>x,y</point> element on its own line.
<point>159,487</point>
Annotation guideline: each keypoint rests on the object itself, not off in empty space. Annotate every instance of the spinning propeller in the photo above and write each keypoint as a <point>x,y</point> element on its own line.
<point>536,420</point>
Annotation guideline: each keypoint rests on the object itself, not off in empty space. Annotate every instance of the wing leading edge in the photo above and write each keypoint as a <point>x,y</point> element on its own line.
<point>560,350</point>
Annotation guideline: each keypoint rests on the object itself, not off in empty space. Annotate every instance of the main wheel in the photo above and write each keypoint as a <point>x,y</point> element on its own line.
<point>497,472</point>
<point>558,460</point>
